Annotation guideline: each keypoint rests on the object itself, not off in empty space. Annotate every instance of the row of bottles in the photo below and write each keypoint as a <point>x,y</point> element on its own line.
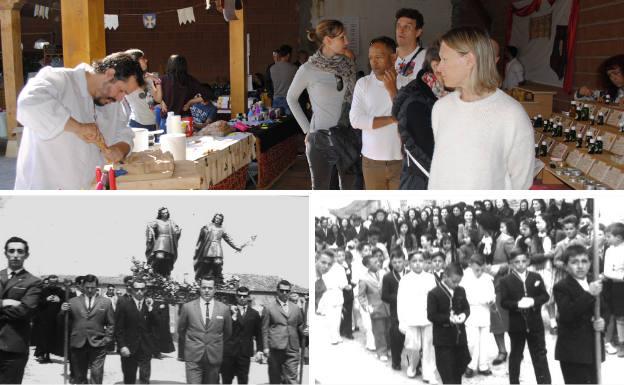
<point>580,112</point>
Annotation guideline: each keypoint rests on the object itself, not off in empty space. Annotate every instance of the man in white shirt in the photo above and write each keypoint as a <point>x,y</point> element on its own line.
<point>411,55</point>
<point>514,70</point>
<point>73,122</point>
<point>371,112</point>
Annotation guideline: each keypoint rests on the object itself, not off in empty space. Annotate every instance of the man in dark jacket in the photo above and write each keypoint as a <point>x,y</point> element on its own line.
<point>20,294</point>
<point>575,297</point>
<point>523,293</point>
<point>136,324</point>
<point>389,290</point>
<point>239,348</point>
<point>92,324</point>
<point>448,309</point>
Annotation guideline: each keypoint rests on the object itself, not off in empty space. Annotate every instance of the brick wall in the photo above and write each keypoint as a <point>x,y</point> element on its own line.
<point>205,42</point>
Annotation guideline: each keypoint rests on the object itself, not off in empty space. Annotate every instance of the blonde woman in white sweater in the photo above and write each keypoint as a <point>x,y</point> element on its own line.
<point>483,137</point>
<point>412,314</point>
<point>480,294</point>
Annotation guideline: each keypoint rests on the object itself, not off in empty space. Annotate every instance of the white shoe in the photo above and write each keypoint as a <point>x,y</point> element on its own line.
<point>411,372</point>
<point>383,358</point>
<point>610,349</point>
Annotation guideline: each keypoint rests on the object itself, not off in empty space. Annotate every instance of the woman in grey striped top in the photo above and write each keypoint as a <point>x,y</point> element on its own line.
<point>329,77</point>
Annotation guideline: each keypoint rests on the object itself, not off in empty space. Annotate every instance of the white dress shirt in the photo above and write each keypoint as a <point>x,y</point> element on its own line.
<point>49,157</point>
<point>583,282</point>
<point>371,100</point>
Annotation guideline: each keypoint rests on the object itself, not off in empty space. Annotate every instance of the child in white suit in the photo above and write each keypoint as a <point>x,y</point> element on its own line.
<point>480,294</point>
<point>412,314</point>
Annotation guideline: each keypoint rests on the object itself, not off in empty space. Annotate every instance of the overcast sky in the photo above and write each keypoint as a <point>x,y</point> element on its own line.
<point>100,234</point>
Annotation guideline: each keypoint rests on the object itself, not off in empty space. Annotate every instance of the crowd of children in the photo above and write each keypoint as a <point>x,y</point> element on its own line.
<point>442,286</point>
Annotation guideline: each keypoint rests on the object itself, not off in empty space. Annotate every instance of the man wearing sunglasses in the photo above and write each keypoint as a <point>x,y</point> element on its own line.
<point>136,324</point>
<point>20,293</point>
<point>239,348</point>
<point>282,331</point>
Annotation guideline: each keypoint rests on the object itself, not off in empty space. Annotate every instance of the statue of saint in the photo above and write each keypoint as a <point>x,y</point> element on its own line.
<point>208,259</point>
<point>162,243</point>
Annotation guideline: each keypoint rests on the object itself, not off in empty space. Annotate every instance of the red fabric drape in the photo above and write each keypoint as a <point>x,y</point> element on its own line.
<point>529,9</point>
<point>572,22</point>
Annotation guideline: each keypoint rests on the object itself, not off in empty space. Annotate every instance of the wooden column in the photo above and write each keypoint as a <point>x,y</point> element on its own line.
<point>11,58</point>
<point>238,74</point>
<point>83,31</point>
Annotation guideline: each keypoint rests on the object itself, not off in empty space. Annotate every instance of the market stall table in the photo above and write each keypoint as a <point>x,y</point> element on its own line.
<point>276,150</point>
<point>214,163</point>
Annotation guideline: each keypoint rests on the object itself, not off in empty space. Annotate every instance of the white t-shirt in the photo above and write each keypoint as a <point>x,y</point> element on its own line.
<point>404,76</point>
<point>487,144</point>
<point>514,74</point>
<point>370,100</point>
<point>139,105</point>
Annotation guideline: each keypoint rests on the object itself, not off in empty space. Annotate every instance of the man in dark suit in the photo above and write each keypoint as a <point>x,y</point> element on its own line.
<point>523,293</point>
<point>575,297</point>
<point>92,323</point>
<point>389,290</point>
<point>448,309</point>
<point>20,294</point>
<point>136,323</point>
<point>323,231</point>
<point>239,348</point>
<point>203,327</point>
<point>282,331</point>
<point>357,230</point>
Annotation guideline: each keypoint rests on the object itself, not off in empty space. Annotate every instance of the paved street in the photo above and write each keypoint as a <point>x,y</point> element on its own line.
<point>166,371</point>
<point>350,363</point>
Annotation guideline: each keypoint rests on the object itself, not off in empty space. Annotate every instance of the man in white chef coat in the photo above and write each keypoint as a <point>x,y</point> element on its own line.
<point>65,112</point>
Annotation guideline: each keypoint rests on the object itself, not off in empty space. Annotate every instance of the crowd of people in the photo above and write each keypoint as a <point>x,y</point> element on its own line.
<point>444,284</point>
<point>425,117</point>
<point>216,341</point>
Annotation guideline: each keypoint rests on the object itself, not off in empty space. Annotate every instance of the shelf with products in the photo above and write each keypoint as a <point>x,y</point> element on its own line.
<point>587,166</point>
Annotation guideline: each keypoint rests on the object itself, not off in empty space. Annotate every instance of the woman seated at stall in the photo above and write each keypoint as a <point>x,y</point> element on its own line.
<point>179,89</point>
<point>612,79</point>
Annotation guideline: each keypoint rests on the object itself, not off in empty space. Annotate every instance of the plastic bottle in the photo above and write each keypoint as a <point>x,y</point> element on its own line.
<point>169,123</point>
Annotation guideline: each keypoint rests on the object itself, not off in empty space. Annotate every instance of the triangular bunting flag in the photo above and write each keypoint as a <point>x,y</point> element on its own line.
<point>186,15</point>
<point>149,20</point>
<point>111,21</point>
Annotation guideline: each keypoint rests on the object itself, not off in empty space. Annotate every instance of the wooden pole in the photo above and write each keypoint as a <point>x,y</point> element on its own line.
<point>596,273</point>
<point>84,39</point>
<point>238,73</point>
<point>13,70</point>
<point>66,334</point>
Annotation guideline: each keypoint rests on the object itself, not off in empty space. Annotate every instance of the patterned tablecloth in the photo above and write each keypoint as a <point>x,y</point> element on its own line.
<point>221,157</point>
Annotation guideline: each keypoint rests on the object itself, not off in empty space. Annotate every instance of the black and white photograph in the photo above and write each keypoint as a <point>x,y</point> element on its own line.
<point>154,289</point>
<point>473,288</point>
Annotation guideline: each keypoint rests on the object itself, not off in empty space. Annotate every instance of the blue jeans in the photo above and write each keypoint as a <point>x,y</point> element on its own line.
<point>280,102</point>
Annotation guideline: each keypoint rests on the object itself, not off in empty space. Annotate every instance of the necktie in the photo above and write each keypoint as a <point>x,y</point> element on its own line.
<point>140,306</point>
<point>89,308</point>
<point>243,309</point>
<point>207,313</point>
<point>12,275</point>
<point>285,307</point>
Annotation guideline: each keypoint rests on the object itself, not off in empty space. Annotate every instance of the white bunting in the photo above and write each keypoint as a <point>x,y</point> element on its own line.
<point>186,15</point>
<point>111,21</point>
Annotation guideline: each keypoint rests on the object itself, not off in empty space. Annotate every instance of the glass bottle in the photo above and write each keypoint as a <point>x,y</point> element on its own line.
<point>599,145</point>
